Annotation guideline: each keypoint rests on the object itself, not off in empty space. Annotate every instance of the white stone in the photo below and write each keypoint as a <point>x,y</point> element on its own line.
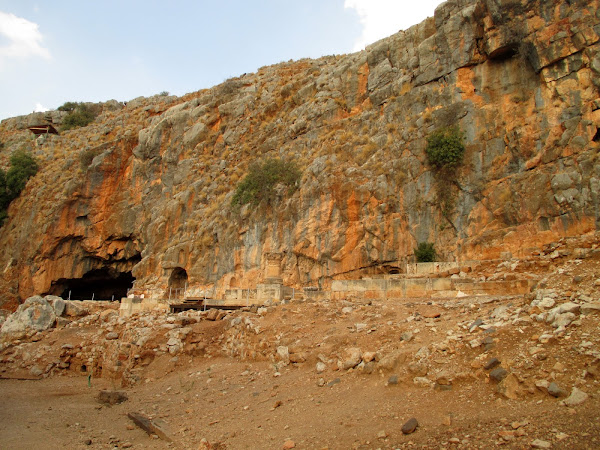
<point>283,354</point>
<point>35,314</point>
<point>538,443</point>
<point>577,397</point>
<point>422,382</point>
<point>546,303</point>
<point>352,359</point>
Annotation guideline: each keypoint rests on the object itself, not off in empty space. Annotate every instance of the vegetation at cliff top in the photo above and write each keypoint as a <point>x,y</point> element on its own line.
<point>262,178</point>
<point>445,147</point>
<point>80,115</point>
<point>425,252</point>
<point>12,182</point>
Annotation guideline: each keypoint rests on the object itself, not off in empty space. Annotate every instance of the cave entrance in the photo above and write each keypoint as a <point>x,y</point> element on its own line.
<point>177,283</point>
<point>97,284</point>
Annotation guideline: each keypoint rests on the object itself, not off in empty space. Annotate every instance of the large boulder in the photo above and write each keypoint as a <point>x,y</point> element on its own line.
<point>35,314</point>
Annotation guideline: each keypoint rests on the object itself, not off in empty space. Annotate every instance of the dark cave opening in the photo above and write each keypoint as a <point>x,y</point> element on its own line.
<point>98,284</point>
<point>504,53</point>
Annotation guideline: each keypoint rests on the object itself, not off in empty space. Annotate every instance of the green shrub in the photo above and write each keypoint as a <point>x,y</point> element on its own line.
<point>425,252</point>
<point>80,116</point>
<point>445,147</point>
<point>87,156</point>
<point>68,106</point>
<point>4,197</point>
<point>22,167</point>
<point>259,184</point>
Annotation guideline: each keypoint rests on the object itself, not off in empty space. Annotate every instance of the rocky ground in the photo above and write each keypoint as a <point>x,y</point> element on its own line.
<point>475,372</point>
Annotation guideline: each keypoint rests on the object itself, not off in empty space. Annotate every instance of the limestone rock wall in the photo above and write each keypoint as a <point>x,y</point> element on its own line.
<point>147,187</point>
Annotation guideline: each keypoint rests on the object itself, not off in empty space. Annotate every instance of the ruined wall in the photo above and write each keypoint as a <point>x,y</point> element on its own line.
<point>520,78</point>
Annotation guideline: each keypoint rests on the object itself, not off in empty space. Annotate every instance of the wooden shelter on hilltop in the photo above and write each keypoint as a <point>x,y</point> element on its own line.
<point>44,128</point>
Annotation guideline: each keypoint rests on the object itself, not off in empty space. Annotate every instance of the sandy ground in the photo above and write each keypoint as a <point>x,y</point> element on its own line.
<point>244,406</point>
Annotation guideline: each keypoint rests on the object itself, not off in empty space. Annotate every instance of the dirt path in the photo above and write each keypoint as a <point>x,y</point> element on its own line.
<point>243,406</point>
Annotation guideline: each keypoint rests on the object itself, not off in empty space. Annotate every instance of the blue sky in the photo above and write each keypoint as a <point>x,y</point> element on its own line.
<point>53,52</point>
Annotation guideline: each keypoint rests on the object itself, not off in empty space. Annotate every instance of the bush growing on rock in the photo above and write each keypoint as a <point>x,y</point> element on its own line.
<point>79,115</point>
<point>445,147</point>
<point>87,156</point>
<point>425,252</point>
<point>259,184</point>
<point>22,167</point>
<point>4,197</point>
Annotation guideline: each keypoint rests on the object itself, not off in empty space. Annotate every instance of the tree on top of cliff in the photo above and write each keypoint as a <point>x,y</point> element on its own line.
<point>80,115</point>
<point>260,182</point>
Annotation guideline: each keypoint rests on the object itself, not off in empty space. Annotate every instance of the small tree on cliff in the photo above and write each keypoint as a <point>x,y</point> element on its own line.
<point>425,252</point>
<point>22,167</point>
<point>445,148</point>
<point>259,184</point>
<point>4,197</point>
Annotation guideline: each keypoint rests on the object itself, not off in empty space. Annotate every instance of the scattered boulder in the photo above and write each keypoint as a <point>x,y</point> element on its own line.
<point>390,361</point>
<point>297,357</point>
<point>410,426</point>
<point>542,385</point>
<point>35,314</point>
<point>498,374</point>
<point>590,308</point>
<point>538,443</point>
<point>112,397</point>
<point>555,391</point>
<point>422,382</point>
<point>509,387</point>
<point>577,397</point>
<point>491,364</point>
<point>418,369</point>
<point>353,357</point>
<point>283,354</point>
<point>212,314</point>
<point>74,308</point>
<point>57,303</point>
<point>431,313</point>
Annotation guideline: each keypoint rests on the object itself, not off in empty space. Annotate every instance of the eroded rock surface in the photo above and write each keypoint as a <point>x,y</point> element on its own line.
<point>146,188</point>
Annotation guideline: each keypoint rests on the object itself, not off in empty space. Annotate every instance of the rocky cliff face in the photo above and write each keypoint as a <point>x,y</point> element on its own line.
<point>146,188</point>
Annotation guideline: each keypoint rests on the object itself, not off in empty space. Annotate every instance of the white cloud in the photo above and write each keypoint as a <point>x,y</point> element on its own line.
<point>24,38</point>
<point>40,108</point>
<point>382,18</point>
